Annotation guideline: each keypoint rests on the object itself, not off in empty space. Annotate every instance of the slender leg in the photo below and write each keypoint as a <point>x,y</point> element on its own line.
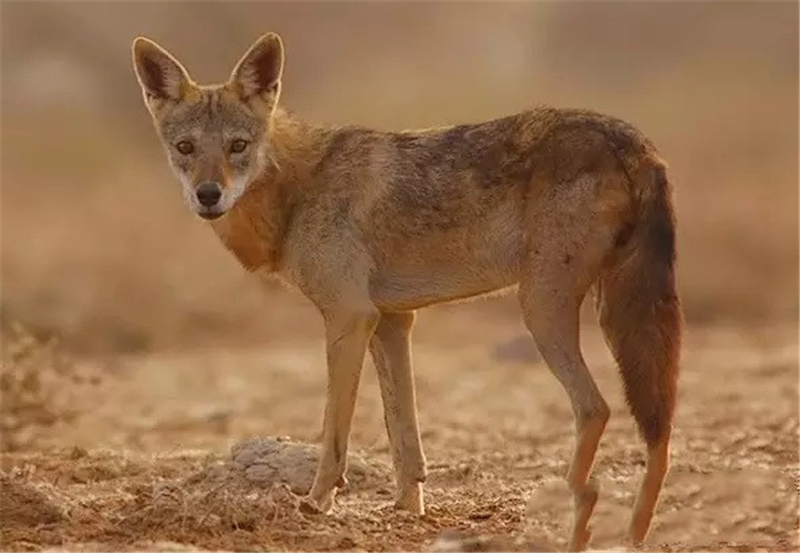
<point>391,350</point>
<point>657,467</point>
<point>347,335</point>
<point>553,321</point>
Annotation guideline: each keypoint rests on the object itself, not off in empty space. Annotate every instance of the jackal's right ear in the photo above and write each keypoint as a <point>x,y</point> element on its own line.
<point>259,72</point>
<point>159,74</point>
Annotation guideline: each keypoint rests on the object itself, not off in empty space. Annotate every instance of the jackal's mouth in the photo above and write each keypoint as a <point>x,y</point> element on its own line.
<point>210,215</point>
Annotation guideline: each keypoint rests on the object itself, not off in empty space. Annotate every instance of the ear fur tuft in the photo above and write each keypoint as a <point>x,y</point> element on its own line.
<point>160,75</point>
<point>259,71</point>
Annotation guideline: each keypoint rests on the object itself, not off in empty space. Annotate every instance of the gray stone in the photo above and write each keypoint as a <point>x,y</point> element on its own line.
<point>263,462</point>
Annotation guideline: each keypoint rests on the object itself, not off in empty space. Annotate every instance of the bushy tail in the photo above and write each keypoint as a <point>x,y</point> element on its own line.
<point>639,309</point>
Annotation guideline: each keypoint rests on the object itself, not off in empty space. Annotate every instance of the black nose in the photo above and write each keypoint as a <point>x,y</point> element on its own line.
<point>208,194</point>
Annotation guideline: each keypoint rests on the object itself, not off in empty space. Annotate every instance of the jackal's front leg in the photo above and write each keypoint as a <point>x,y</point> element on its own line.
<point>347,334</point>
<point>391,350</point>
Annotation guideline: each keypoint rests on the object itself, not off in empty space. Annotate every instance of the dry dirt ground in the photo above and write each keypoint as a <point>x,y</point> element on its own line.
<point>143,459</point>
<point>155,451</point>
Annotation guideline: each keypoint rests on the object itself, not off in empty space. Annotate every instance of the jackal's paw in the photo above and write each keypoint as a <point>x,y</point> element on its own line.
<point>632,543</point>
<point>410,498</point>
<point>580,539</point>
<point>311,506</point>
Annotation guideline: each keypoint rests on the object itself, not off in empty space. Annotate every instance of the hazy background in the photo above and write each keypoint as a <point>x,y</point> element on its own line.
<point>98,249</point>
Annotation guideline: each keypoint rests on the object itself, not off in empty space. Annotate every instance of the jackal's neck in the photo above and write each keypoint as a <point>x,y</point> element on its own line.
<point>297,147</point>
<point>254,230</point>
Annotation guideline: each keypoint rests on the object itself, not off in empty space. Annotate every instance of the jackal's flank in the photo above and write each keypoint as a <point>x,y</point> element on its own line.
<point>372,225</point>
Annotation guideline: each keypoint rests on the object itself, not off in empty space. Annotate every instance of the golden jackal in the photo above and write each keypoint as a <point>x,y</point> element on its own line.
<point>372,225</point>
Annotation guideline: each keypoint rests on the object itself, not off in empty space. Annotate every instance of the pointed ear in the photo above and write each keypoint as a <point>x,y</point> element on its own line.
<point>258,73</point>
<point>159,74</point>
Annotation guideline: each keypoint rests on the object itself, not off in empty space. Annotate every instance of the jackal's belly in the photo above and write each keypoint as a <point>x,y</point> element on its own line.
<point>421,276</point>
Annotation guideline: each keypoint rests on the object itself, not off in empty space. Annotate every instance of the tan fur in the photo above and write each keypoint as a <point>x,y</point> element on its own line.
<point>371,226</point>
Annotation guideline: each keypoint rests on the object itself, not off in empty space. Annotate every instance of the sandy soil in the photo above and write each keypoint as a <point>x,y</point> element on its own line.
<point>143,449</point>
<point>134,469</point>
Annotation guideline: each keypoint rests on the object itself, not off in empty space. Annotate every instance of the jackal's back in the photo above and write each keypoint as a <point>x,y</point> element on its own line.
<point>442,196</point>
<point>441,211</point>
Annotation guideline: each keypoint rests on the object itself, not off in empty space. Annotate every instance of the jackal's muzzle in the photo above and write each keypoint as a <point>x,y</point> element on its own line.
<point>208,196</point>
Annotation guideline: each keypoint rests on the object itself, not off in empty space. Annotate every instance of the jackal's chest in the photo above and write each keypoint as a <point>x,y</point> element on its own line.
<point>251,240</point>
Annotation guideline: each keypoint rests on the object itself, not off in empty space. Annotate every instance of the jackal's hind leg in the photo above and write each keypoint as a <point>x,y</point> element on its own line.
<point>656,472</point>
<point>554,324</point>
<point>552,287</point>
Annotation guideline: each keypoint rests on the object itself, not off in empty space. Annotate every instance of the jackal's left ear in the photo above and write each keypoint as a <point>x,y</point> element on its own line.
<point>159,74</point>
<point>258,73</point>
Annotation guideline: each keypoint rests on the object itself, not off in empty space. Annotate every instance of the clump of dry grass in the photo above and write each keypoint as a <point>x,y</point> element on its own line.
<point>28,514</point>
<point>259,486</point>
<point>174,509</point>
<point>36,378</point>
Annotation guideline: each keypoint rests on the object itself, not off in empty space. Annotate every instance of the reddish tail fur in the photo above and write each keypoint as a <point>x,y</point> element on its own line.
<point>639,309</point>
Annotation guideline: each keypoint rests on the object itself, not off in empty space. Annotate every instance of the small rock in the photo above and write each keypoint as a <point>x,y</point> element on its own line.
<point>77,452</point>
<point>262,462</point>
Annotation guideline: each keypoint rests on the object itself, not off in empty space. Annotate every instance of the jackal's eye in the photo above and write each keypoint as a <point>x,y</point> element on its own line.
<point>185,147</point>
<point>238,146</point>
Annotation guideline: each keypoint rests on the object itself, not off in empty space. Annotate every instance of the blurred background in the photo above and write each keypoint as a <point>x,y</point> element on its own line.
<point>98,249</point>
<point>127,328</point>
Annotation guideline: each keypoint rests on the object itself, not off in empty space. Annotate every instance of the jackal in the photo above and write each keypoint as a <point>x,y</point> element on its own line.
<point>371,226</point>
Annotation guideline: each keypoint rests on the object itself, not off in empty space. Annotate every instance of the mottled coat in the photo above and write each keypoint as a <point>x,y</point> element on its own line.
<point>371,226</point>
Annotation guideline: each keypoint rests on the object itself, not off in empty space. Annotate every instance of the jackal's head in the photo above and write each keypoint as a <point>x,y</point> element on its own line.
<point>216,137</point>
